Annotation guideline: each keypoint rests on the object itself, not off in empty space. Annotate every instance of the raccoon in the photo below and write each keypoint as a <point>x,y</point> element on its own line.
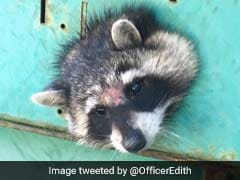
<point>115,86</point>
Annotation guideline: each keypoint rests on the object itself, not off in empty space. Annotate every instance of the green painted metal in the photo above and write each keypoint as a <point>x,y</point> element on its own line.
<point>207,124</point>
<point>23,146</point>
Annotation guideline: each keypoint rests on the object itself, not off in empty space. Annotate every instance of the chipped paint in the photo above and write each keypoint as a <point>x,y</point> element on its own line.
<point>228,155</point>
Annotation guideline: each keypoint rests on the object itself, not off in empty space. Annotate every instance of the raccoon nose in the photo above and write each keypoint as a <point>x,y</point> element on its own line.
<point>134,141</point>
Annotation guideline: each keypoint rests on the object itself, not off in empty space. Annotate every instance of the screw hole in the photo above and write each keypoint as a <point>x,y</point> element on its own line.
<point>59,111</point>
<point>173,1</point>
<point>62,26</point>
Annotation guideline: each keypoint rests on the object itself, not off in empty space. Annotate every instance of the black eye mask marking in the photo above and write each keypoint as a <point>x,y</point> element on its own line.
<point>150,92</point>
<point>144,94</point>
<point>99,125</point>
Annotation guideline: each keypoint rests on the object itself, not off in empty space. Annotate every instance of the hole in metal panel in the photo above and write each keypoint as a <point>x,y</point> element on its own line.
<point>59,111</point>
<point>173,1</point>
<point>43,12</point>
<point>62,26</point>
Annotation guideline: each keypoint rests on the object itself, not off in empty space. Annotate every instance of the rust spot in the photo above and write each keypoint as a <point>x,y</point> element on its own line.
<point>212,149</point>
<point>228,155</point>
<point>84,18</point>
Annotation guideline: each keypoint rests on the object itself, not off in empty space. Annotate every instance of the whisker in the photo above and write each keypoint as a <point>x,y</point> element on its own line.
<point>114,154</point>
<point>166,133</point>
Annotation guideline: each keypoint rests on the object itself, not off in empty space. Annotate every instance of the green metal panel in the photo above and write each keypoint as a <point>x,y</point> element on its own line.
<point>17,145</point>
<point>207,125</point>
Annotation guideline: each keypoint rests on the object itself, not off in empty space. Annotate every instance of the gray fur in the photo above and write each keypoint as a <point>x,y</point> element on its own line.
<point>110,58</point>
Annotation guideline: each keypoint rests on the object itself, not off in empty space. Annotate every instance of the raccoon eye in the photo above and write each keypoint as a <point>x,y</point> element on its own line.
<point>100,111</point>
<point>136,88</point>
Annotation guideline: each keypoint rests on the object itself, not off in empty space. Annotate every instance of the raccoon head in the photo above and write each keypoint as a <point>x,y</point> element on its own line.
<point>115,87</point>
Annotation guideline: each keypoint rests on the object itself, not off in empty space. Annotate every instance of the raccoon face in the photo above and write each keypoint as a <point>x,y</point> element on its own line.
<point>130,114</point>
<point>117,95</point>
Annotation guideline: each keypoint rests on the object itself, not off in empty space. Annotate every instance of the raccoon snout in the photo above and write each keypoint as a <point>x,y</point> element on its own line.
<point>134,141</point>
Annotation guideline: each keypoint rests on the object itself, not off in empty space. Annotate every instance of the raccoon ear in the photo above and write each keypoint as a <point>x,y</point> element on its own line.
<point>49,97</point>
<point>125,34</point>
